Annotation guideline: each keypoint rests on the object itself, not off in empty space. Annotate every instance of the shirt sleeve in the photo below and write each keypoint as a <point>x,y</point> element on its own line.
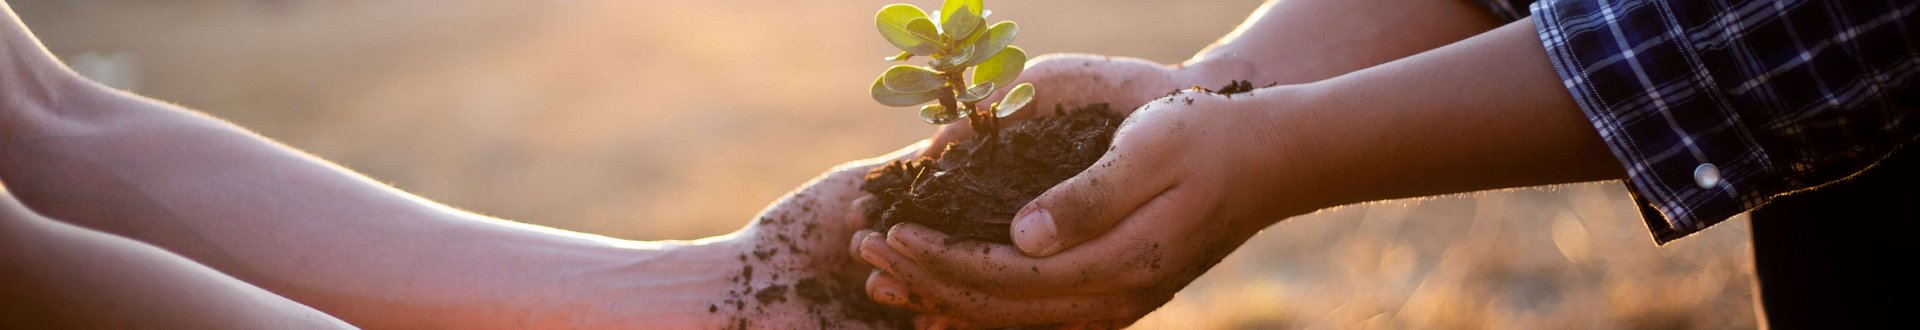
<point>1714,107</point>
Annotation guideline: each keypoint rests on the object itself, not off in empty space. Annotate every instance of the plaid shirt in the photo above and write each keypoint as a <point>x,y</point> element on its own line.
<point>1715,107</point>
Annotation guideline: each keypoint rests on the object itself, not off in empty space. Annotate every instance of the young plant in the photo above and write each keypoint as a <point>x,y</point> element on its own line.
<point>956,42</point>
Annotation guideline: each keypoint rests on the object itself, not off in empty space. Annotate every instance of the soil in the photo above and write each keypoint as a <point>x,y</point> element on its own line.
<point>973,190</point>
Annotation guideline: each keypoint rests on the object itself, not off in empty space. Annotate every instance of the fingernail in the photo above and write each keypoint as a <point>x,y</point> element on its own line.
<point>873,257</point>
<point>1036,233</point>
<point>853,247</point>
<point>899,234</point>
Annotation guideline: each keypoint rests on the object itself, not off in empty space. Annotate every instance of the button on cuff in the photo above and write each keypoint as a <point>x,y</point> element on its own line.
<point>1706,176</point>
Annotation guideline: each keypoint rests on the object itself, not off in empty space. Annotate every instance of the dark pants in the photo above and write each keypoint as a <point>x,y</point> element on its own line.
<point>1845,256</point>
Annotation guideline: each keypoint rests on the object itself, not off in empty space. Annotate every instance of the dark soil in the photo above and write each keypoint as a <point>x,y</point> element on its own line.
<point>1236,87</point>
<point>973,190</point>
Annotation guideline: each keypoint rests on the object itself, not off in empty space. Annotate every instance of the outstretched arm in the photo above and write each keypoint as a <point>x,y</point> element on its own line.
<point>375,256</point>
<point>61,276</point>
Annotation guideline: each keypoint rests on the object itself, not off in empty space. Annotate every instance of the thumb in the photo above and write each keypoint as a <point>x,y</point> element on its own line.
<point>1086,205</point>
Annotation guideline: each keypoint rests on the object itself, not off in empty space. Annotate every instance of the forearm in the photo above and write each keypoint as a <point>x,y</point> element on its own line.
<point>61,276</point>
<point>283,220</point>
<point>1301,41</point>
<point>1485,113</point>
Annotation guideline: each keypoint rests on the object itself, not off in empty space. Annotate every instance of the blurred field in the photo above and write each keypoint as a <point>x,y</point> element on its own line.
<point>665,120</point>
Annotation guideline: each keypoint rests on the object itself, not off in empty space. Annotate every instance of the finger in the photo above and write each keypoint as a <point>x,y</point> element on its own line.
<point>933,322</point>
<point>1096,325</point>
<point>1086,205</point>
<point>930,294</point>
<point>993,268</point>
<point>886,291</point>
<point>882,286</point>
<point>857,214</point>
<point>853,248</point>
<point>907,285</point>
<point>1130,258</point>
<point>929,322</point>
<point>871,248</point>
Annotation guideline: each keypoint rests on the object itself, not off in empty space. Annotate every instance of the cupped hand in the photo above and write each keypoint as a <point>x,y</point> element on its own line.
<point>1190,178</point>
<point>1070,81</point>
<point>793,270</point>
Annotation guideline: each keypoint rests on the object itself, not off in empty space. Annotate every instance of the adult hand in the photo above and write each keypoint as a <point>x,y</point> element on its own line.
<point>792,266</point>
<point>1184,182</point>
<point>1190,177</point>
<point>1070,81</point>
<point>1067,81</point>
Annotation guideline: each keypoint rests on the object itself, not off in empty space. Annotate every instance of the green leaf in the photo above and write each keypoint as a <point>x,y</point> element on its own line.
<point>952,62</point>
<point>897,99</point>
<point>911,79</point>
<point>1015,99</point>
<point>974,7</point>
<point>996,38</point>
<point>924,30</point>
<point>1002,68</point>
<point>893,21</point>
<point>938,114</point>
<point>962,25</point>
<point>976,93</point>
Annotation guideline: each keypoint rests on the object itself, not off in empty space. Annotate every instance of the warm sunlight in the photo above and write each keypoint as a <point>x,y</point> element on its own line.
<point>629,137</point>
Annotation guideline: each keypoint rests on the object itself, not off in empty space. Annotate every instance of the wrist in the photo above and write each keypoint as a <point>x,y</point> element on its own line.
<point>1291,160</point>
<point>670,286</point>
<point>1213,71</point>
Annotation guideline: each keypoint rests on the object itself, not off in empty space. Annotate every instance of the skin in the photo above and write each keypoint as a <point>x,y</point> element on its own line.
<point>42,289</point>
<point>1111,244</point>
<point>1282,42</point>
<point>124,210</point>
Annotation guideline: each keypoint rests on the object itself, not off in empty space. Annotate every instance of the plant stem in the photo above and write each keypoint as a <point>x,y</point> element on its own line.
<point>983,123</point>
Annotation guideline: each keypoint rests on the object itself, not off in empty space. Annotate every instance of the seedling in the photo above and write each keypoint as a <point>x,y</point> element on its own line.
<point>956,38</point>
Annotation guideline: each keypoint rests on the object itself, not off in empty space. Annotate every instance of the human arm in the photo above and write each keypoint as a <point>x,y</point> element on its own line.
<point>1186,183</point>
<point>61,276</point>
<point>378,257</point>
<point>1282,42</point>
<point>350,246</point>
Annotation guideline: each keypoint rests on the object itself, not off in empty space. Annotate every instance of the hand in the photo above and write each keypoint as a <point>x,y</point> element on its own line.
<point>795,246</point>
<point>1070,81</point>
<point>1184,184</point>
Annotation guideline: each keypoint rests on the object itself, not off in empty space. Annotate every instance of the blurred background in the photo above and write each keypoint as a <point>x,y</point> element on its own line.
<point>682,119</point>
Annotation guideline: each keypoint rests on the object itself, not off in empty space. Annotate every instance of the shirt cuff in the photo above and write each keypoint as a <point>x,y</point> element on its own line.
<point>1690,163</point>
